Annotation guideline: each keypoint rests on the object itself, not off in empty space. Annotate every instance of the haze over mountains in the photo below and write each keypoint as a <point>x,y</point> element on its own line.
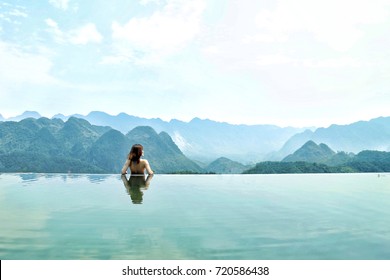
<point>372,161</point>
<point>44,145</point>
<point>355,137</point>
<point>311,152</point>
<point>207,140</point>
<point>202,140</point>
<point>314,158</point>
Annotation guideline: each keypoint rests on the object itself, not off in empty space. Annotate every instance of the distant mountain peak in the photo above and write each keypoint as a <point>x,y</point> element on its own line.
<point>223,159</point>
<point>223,165</point>
<point>144,128</point>
<point>60,116</point>
<point>122,114</point>
<point>311,152</point>
<point>325,148</point>
<point>26,115</point>
<point>199,120</point>
<point>309,144</point>
<point>141,132</point>
<point>30,112</point>
<point>77,121</point>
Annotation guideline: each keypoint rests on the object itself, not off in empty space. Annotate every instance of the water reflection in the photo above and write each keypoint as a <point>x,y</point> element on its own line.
<point>29,177</point>
<point>97,178</point>
<point>135,186</point>
<point>65,177</point>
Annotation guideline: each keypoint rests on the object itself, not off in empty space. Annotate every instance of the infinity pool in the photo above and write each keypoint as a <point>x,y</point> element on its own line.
<point>61,216</point>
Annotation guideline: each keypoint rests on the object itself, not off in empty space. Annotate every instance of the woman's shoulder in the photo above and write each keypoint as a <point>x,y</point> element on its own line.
<point>144,160</point>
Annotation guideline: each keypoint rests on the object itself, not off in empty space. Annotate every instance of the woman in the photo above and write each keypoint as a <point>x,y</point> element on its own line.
<point>135,163</point>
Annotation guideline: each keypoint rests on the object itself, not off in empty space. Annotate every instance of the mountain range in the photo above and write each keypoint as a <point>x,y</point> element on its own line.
<point>204,141</point>
<point>75,145</point>
<point>312,153</point>
<point>313,158</point>
<point>52,145</point>
<point>355,137</point>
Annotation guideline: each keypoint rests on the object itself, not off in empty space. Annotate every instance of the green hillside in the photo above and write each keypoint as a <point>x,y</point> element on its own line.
<point>311,152</point>
<point>44,145</point>
<point>313,158</point>
<point>224,165</point>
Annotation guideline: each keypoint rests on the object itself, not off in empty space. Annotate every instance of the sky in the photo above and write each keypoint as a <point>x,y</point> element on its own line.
<point>288,63</point>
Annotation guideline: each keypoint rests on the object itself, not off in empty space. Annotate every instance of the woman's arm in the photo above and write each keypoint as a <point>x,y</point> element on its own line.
<point>148,169</point>
<point>125,166</point>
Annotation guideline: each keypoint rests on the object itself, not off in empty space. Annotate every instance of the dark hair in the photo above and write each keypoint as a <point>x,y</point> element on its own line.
<point>135,153</point>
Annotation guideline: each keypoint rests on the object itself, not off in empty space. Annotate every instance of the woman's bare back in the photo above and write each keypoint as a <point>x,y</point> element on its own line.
<point>137,168</point>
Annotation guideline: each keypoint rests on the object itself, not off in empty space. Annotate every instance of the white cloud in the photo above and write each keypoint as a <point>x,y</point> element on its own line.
<point>274,59</point>
<point>60,4</point>
<point>147,2</point>
<point>121,54</point>
<point>12,13</point>
<point>58,35</point>
<point>238,61</point>
<point>52,23</point>
<point>26,67</point>
<point>164,32</point>
<point>299,33</point>
<point>114,59</point>
<point>84,35</point>
<point>340,62</point>
<point>265,38</point>
<point>279,59</point>
<point>21,73</point>
<point>211,50</point>
<point>334,22</point>
<point>79,36</point>
<point>18,13</point>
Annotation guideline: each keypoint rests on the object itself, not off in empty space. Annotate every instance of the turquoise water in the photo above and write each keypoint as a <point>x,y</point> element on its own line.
<point>333,216</point>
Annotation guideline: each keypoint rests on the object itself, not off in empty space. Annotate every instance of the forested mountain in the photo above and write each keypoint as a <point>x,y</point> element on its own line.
<point>162,153</point>
<point>313,158</point>
<point>278,167</point>
<point>224,165</point>
<point>322,154</point>
<point>206,140</point>
<point>311,152</point>
<point>370,161</point>
<point>44,145</point>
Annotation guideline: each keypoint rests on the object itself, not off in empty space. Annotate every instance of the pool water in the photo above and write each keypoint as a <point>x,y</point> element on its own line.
<point>316,216</point>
